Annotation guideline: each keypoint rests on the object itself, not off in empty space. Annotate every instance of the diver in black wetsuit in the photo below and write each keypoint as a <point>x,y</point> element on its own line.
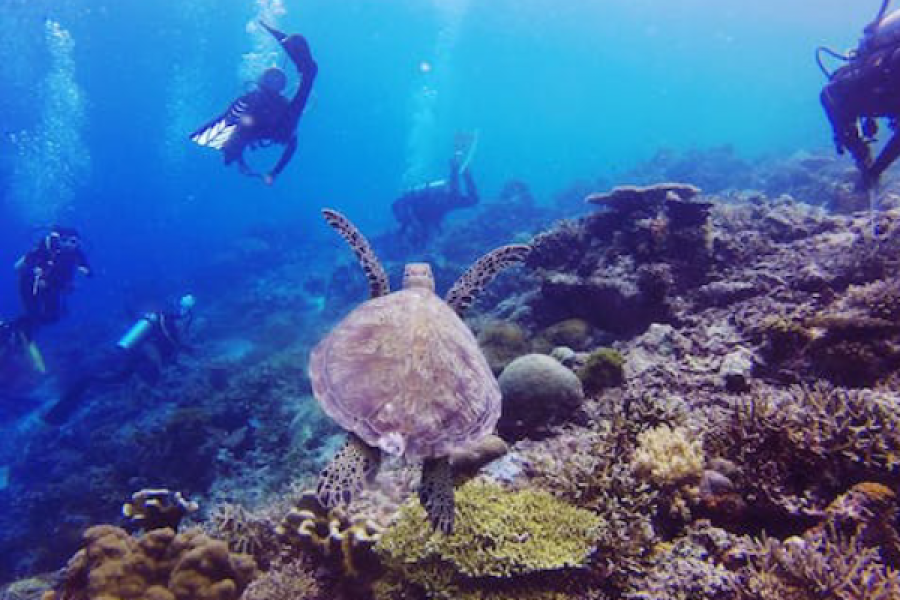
<point>264,117</point>
<point>420,212</point>
<point>153,341</point>
<point>45,273</point>
<point>865,89</point>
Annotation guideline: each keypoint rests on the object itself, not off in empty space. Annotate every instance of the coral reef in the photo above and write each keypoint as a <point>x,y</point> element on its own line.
<point>159,566</point>
<point>245,532</point>
<point>668,457</point>
<point>347,543</point>
<point>500,536</point>
<point>571,333</point>
<point>798,447</point>
<point>603,368</point>
<point>158,509</point>
<point>289,581</point>
<point>502,342</point>
<point>538,392</point>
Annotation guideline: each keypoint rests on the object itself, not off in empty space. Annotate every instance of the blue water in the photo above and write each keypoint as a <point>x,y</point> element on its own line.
<point>97,101</point>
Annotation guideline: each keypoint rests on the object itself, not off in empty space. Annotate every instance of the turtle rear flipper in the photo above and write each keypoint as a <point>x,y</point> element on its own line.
<point>379,284</point>
<point>345,476</point>
<point>467,287</point>
<point>436,493</point>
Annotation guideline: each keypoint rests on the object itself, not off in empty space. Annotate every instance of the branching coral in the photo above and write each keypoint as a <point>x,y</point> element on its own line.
<point>245,532</point>
<point>668,457</point>
<point>831,566</point>
<point>290,581</point>
<point>158,566</point>
<point>602,369</point>
<point>799,446</point>
<point>500,537</point>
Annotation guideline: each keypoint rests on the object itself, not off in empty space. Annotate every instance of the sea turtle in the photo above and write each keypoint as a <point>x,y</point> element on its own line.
<point>403,374</point>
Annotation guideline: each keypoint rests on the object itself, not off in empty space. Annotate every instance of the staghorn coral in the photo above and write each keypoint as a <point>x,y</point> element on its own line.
<point>160,565</point>
<point>797,446</point>
<point>501,539</point>
<point>686,569</point>
<point>829,566</point>
<point>333,534</point>
<point>245,532</point>
<point>879,299</point>
<point>288,581</point>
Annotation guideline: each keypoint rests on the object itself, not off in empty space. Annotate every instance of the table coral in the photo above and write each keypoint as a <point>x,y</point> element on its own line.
<point>500,535</point>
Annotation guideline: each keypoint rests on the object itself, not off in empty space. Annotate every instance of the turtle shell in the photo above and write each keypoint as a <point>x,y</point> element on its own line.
<point>405,374</point>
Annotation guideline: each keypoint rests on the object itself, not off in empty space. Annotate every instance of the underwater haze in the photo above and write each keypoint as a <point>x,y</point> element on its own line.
<point>553,99</point>
<point>97,107</point>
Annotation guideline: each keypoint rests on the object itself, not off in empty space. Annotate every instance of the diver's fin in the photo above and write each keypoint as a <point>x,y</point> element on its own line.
<point>436,493</point>
<point>215,134</point>
<point>66,405</point>
<point>345,476</point>
<point>35,356</point>
<point>465,146</point>
<point>220,130</point>
<point>278,35</point>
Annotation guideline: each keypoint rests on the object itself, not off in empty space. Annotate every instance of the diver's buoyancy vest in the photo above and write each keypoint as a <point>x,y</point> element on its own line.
<point>887,33</point>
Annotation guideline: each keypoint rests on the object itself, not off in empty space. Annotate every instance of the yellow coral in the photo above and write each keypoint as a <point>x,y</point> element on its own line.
<point>499,536</point>
<point>667,457</point>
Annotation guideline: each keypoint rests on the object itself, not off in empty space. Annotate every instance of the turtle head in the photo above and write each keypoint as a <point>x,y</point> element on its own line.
<point>418,276</point>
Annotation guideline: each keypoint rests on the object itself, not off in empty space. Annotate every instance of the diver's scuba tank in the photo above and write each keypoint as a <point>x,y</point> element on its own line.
<point>138,331</point>
<point>883,31</point>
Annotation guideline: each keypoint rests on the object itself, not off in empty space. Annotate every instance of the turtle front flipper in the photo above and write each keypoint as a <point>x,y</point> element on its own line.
<point>379,284</point>
<point>436,493</point>
<point>467,287</point>
<point>345,476</point>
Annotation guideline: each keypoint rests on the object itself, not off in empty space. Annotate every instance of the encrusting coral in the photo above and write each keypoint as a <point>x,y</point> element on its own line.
<point>501,538</point>
<point>847,556</point>
<point>160,565</point>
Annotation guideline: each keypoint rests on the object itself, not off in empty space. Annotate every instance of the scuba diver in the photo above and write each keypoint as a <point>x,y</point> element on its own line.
<point>44,273</point>
<point>421,211</point>
<point>263,116</point>
<point>864,90</point>
<point>151,342</point>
